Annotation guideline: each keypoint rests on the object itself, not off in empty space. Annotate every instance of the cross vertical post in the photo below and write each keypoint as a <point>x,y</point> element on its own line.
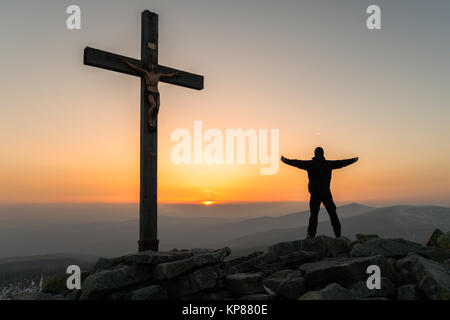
<point>148,207</point>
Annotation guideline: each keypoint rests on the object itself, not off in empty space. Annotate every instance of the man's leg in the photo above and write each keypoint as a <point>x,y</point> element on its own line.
<point>314,207</point>
<point>331,209</point>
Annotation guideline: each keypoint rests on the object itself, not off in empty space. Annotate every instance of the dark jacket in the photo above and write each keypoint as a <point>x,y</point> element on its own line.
<point>319,172</point>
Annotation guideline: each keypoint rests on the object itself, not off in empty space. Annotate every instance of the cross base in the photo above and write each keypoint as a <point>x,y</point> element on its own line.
<point>146,245</point>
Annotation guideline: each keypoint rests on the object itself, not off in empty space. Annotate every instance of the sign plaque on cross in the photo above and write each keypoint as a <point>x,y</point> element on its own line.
<point>151,73</point>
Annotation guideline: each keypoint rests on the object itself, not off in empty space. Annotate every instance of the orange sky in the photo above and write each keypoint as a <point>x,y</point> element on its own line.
<point>73,135</point>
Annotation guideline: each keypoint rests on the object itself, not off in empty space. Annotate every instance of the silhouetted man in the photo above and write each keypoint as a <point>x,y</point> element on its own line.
<point>319,174</point>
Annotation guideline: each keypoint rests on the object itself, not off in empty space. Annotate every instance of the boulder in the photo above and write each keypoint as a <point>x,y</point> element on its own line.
<point>153,292</point>
<point>389,248</point>
<point>276,258</point>
<point>432,238</point>
<point>172,269</point>
<point>192,283</point>
<point>433,278</point>
<point>447,262</point>
<point>408,292</point>
<point>332,291</point>
<point>406,277</point>
<point>99,284</point>
<point>437,254</point>
<point>288,284</point>
<point>37,296</point>
<point>344,271</point>
<point>152,257</point>
<point>245,283</point>
<point>322,245</point>
<point>102,264</point>
<point>444,241</point>
<point>365,237</point>
<point>297,258</point>
<point>387,289</point>
<point>73,295</point>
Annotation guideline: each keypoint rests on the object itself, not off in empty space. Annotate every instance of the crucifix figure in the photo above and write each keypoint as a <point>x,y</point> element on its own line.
<point>152,76</point>
<point>150,73</point>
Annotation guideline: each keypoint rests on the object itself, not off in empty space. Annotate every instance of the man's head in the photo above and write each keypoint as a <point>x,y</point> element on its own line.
<point>318,152</point>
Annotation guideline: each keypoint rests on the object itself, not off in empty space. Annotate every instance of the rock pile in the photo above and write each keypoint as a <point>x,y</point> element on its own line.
<point>311,269</point>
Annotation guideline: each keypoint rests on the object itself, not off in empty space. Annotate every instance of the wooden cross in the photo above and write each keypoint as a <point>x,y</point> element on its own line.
<point>149,139</point>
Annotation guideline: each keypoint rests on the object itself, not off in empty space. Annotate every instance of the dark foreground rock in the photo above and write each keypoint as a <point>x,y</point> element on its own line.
<point>288,284</point>
<point>408,292</point>
<point>433,237</point>
<point>331,292</point>
<point>311,269</point>
<point>433,278</point>
<point>344,271</point>
<point>389,248</point>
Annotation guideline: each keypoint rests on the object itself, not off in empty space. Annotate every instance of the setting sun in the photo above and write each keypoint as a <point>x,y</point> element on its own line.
<point>208,202</point>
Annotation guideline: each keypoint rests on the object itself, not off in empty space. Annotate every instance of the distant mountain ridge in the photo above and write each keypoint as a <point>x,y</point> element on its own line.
<point>412,223</point>
<point>112,238</point>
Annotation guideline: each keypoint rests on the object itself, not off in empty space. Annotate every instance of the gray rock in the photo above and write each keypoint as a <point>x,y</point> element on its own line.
<point>437,254</point>
<point>153,258</point>
<point>444,241</point>
<point>37,296</point>
<point>433,277</point>
<point>276,258</point>
<point>170,270</point>
<point>432,238</point>
<point>102,264</point>
<point>98,285</point>
<point>245,283</point>
<point>406,277</point>
<point>297,258</point>
<point>73,295</point>
<point>447,262</point>
<point>201,279</point>
<point>344,271</point>
<point>154,292</point>
<point>332,291</point>
<point>239,260</point>
<point>408,292</point>
<point>287,283</point>
<point>322,245</point>
<point>387,289</point>
<point>389,248</point>
<point>366,237</point>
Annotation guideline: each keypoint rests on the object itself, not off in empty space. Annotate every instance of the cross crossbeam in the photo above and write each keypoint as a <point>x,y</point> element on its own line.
<point>114,62</point>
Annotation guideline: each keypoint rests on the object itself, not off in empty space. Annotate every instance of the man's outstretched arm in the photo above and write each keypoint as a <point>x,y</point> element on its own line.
<point>301,164</point>
<point>337,164</point>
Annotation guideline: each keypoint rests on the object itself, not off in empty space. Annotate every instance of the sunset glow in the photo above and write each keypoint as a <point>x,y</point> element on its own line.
<point>73,134</point>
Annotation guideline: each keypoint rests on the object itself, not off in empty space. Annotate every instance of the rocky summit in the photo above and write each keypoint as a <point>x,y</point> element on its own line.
<point>320,268</point>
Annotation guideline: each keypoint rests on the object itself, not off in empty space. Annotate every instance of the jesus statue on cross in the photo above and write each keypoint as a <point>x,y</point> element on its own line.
<point>152,76</point>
